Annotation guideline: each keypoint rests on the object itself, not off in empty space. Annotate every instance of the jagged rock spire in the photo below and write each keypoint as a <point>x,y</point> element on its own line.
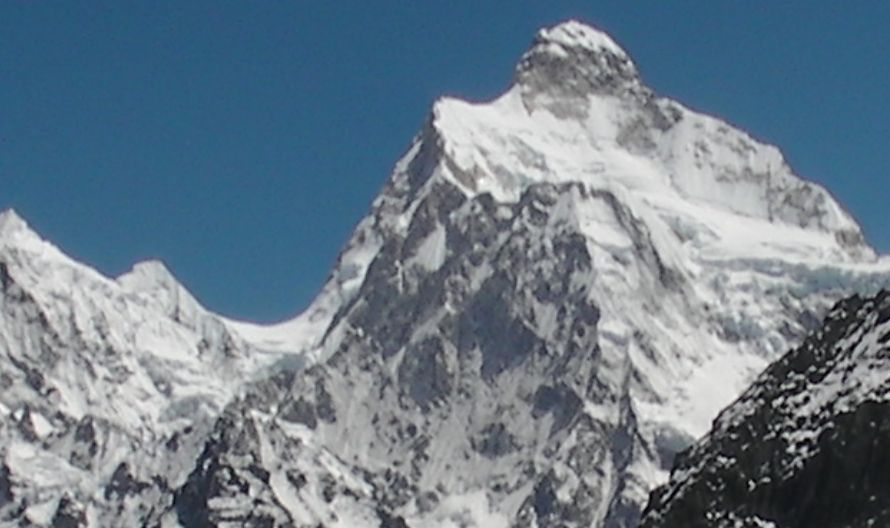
<point>571,60</point>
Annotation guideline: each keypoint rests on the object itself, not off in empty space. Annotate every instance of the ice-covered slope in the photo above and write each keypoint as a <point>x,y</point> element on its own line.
<point>805,445</point>
<point>553,293</point>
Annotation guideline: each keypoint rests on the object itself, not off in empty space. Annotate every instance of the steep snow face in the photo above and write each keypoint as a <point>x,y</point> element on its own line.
<point>805,445</point>
<point>554,293</point>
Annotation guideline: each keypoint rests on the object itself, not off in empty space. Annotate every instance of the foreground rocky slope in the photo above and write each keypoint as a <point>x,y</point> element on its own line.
<point>807,445</point>
<point>554,293</point>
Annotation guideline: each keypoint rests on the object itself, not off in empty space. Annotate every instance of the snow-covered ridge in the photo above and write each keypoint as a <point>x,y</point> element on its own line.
<point>42,266</point>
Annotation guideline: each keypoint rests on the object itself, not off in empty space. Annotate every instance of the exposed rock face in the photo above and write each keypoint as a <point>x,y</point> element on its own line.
<point>553,294</point>
<point>568,63</point>
<point>806,445</point>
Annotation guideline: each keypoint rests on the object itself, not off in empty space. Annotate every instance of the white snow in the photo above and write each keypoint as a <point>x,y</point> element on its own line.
<point>469,510</point>
<point>431,253</point>
<point>42,426</point>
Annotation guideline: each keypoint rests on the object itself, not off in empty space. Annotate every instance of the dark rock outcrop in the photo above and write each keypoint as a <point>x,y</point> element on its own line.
<point>807,445</point>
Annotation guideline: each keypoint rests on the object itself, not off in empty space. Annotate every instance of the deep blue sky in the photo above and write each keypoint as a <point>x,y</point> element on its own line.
<point>241,141</point>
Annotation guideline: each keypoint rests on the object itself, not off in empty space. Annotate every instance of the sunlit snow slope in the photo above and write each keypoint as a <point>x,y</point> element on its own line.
<point>553,293</point>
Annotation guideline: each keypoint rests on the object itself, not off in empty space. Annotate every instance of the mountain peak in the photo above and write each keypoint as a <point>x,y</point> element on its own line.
<point>15,232</point>
<point>574,34</point>
<point>154,279</point>
<point>575,59</point>
<point>149,274</point>
<point>11,222</point>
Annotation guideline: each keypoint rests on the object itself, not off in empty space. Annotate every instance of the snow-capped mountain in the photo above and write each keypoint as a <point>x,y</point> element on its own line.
<point>108,386</point>
<point>554,292</point>
<point>806,445</point>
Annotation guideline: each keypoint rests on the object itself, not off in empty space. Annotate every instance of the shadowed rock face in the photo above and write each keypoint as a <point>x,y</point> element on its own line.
<point>445,362</point>
<point>807,445</point>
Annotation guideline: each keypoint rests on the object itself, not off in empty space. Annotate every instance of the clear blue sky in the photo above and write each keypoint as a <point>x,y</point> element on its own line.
<point>241,141</point>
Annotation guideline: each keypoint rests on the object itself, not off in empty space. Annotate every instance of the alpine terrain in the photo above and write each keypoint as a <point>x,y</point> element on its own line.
<point>553,294</point>
<point>807,445</point>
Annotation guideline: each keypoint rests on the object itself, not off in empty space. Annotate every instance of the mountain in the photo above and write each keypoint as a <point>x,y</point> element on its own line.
<point>808,444</point>
<point>553,293</point>
<point>109,387</point>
